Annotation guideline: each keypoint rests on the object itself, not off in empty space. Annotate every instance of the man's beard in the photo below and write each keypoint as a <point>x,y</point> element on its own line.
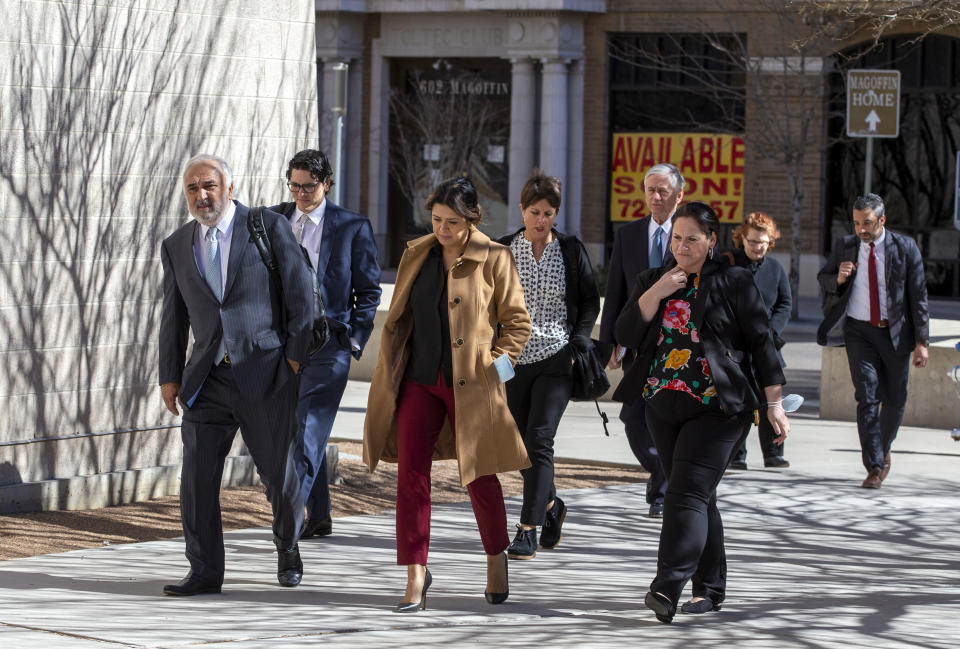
<point>210,218</point>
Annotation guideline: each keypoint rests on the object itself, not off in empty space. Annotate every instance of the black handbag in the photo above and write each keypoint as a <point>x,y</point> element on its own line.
<point>590,380</point>
<point>321,329</point>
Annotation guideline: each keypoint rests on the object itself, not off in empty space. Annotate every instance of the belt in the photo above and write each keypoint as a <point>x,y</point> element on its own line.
<point>883,324</point>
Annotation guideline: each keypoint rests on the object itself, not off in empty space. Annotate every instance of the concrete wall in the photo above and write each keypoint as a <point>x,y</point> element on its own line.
<point>99,108</point>
<point>931,394</point>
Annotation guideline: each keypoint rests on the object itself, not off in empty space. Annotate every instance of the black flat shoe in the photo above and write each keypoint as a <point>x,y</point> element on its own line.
<point>192,585</point>
<point>500,598</point>
<point>524,544</point>
<point>551,533</point>
<point>317,527</point>
<point>414,607</point>
<point>289,567</point>
<point>661,606</point>
<point>705,605</point>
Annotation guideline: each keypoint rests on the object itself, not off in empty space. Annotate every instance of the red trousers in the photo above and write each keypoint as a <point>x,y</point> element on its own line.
<point>420,414</point>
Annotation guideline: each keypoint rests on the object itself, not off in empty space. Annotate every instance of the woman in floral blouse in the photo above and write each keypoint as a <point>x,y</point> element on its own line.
<point>703,341</point>
<point>563,302</point>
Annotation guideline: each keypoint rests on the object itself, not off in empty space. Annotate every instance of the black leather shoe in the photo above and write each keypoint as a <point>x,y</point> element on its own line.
<point>550,534</point>
<point>289,567</point>
<point>739,465</point>
<point>500,598</point>
<point>775,462</point>
<point>192,585</point>
<point>524,544</point>
<point>656,510</point>
<point>413,607</point>
<point>317,527</point>
<point>703,606</point>
<point>661,606</point>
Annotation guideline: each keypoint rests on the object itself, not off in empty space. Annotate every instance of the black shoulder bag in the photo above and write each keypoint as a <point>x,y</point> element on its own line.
<point>321,330</point>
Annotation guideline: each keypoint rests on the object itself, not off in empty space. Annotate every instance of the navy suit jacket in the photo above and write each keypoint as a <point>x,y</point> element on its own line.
<point>348,271</point>
<point>631,256</point>
<point>262,323</point>
<point>907,314</point>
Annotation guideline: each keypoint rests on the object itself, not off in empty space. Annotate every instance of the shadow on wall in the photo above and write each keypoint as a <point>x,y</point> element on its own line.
<point>100,125</point>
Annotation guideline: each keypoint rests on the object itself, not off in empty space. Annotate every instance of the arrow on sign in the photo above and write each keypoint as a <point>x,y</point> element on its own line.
<point>873,119</point>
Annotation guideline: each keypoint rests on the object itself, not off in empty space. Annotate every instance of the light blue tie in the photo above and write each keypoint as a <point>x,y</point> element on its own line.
<point>656,255</point>
<point>214,277</point>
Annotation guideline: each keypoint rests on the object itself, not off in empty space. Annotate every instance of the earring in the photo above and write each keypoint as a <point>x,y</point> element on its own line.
<point>710,254</point>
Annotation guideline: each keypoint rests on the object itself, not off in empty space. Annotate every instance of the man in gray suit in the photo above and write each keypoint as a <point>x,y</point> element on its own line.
<point>250,334</point>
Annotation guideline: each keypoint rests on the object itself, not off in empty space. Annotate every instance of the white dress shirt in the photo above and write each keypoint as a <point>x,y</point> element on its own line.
<point>312,230</point>
<point>859,305</point>
<point>224,237</point>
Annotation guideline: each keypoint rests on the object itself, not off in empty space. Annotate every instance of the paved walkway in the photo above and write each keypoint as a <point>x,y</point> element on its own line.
<point>814,560</point>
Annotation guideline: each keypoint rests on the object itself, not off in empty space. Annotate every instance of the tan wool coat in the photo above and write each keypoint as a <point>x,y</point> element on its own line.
<point>483,291</point>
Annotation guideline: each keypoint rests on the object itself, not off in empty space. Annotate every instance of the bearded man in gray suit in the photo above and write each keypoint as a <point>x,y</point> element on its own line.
<point>250,334</point>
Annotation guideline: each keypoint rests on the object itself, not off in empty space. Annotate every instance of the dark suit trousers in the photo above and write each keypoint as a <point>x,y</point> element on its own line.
<point>695,443</point>
<point>633,416</point>
<point>879,374</point>
<point>537,396</point>
<point>322,382</point>
<point>268,428</point>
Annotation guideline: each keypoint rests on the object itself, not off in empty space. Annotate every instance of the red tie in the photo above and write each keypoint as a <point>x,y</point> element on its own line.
<point>874,289</point>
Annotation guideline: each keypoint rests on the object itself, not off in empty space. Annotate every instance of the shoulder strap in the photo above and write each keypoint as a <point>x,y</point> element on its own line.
<point>260,238</point>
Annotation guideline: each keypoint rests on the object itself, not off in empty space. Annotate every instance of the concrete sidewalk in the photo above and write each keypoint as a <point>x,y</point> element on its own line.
<point>815,561</point>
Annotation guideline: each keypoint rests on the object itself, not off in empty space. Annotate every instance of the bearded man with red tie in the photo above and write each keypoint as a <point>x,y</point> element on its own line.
<point>874,294</point>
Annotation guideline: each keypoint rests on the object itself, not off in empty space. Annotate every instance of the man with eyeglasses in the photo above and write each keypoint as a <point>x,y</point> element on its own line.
<point>343,252</point>
<point>638,246</point>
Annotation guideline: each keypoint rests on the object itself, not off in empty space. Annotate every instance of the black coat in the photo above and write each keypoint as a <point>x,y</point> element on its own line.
<point>906,291</point>
<point>583,297</point>
<point>732,320</point>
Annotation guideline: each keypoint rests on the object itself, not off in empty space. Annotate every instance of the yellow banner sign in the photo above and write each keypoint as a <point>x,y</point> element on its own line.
<point>712,165</point>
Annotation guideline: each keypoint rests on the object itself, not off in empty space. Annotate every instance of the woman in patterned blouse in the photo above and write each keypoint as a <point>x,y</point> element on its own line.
<point>703,341</point>
<point>563,302</point>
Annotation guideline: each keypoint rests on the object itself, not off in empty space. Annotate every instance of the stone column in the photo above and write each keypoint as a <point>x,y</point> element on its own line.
<point>523,105</point>
<point>573,183</point>
<point>554,125</point>
<point>353,138</point>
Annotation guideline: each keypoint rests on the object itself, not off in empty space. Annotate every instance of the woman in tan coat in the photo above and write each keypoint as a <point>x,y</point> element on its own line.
<point>437,391</point>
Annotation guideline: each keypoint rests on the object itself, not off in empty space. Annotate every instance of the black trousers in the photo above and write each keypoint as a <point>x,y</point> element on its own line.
<point>537,396</point>
<point>879,374</point>
<point>767,435</point>
<point>269,429</point>
<point>695,443</point>
<point>633,416</point>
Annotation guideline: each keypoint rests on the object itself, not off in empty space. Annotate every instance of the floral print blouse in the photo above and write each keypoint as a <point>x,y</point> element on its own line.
<point>680,362</point>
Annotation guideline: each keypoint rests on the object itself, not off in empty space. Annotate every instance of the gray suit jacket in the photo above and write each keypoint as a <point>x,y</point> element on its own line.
<point>906,291</point>
<point>261,321</point>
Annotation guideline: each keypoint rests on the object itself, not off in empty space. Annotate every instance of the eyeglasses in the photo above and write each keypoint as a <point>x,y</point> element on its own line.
<point>755,242</point>
<point>309,188</point>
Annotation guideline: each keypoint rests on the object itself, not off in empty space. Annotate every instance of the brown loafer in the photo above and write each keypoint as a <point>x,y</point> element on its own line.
<point>873,480</point>
<point>886,467</point>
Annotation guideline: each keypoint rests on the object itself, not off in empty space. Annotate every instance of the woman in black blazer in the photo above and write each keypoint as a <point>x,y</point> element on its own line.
<point>563,302</point>
<point>703,341</point>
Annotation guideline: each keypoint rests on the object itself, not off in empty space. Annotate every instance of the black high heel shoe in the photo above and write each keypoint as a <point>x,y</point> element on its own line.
<point>661,605</point>
<point>500,598</point>
<point>413,607</point>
